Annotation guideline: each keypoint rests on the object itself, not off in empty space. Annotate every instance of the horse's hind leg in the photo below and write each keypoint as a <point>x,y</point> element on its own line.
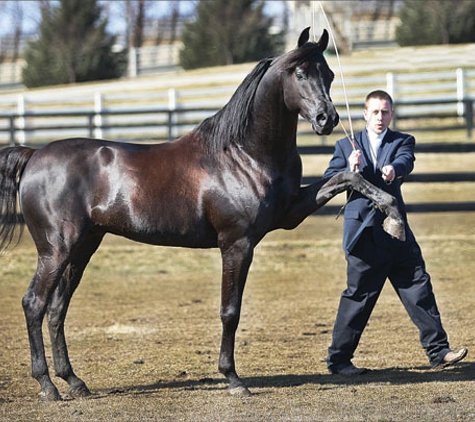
<point>57,310</point>
<point>35,302</point>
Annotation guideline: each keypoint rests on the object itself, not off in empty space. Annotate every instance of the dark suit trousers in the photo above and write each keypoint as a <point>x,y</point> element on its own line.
<point>368,267</point>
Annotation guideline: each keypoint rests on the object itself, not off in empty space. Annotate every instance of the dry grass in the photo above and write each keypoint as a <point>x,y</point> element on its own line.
<point>144,333</point>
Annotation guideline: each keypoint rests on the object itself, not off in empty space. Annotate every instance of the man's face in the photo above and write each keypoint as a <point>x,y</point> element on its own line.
<point>378,115</point>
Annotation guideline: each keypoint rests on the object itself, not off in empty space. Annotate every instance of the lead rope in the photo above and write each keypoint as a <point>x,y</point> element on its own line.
<point>351,137</point>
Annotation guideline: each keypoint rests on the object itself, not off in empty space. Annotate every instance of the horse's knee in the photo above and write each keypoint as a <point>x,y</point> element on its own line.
<point>26,301</point>
<point>230,318</point>
<point>393,202</point>
<point>389,206</point>
<point>32,308</point>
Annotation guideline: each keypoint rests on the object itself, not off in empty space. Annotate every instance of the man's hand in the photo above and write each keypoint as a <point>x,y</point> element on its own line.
<point>355,160</point>
<point>388,173</point>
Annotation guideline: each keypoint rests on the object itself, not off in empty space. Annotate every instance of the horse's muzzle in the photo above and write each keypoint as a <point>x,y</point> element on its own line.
<point>325,123</point>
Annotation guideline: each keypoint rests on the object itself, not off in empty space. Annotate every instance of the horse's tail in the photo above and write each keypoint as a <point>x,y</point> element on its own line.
<point>12,163</point>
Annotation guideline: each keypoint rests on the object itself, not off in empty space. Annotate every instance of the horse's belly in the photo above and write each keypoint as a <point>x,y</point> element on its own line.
<point>168,227</point>
<point>161,239</point>
<point>180,236</point>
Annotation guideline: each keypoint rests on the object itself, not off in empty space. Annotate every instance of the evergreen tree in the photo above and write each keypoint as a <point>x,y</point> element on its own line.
<point>427,22</point>
<point>228,32</point>
<point>73,47</point>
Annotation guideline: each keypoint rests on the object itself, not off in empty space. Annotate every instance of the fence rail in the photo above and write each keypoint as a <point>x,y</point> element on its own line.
<point>162,109</point>
<point>159,124</point>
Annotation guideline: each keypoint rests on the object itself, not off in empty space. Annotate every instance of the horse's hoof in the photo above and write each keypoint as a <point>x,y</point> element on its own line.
<point>80,391</point>
<point>395,228</point>
<point>49,395</point>
<point>240,391</point>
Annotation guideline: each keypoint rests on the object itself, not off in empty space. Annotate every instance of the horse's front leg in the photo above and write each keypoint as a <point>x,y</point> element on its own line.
<point>304,204</point>
<point>312,197</point>
<point>236,259</point>
<point>393,224</point>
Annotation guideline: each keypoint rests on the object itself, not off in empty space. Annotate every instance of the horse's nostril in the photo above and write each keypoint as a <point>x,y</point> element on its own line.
<point>322,119</point>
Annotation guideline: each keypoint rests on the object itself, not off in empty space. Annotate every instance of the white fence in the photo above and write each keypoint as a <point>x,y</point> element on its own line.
<point>149,109</point>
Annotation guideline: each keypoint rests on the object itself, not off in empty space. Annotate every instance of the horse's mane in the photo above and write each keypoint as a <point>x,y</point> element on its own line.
<point>230,124</point>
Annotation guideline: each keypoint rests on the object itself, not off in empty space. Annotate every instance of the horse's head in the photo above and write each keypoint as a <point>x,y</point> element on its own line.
<point>307,80</point>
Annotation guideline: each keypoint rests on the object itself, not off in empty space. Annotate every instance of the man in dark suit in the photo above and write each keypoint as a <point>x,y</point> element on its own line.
<point>384,157</point>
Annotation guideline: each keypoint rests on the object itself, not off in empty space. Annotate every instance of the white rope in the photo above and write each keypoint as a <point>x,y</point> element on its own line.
<point>352,138</point>
<point>313,22</point>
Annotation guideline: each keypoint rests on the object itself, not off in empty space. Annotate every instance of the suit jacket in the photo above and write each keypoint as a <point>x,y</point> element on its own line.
<point>396,149</point>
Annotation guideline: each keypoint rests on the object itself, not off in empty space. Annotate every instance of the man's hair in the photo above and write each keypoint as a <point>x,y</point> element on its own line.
<point>380,95</point>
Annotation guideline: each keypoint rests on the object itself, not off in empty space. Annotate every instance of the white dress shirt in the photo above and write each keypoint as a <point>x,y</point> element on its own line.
<point>375,141</point>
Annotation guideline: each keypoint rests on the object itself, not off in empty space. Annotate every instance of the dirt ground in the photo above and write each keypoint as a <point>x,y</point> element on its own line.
<point>144,331</point>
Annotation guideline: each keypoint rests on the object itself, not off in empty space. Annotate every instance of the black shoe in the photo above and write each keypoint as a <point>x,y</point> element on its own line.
<point>347,370</point>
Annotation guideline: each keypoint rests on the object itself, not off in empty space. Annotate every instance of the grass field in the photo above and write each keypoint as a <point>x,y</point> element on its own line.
<point>144,333</point>
<point>144,330</point>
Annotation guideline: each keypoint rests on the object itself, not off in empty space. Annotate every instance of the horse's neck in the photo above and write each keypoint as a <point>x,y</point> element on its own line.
<point>274,125</point>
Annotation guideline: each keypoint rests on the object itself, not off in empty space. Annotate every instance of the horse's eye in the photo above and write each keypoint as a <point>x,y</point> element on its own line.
<point>299,75</point>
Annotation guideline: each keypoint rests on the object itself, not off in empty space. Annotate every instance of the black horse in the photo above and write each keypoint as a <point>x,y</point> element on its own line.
<point>225,184</point>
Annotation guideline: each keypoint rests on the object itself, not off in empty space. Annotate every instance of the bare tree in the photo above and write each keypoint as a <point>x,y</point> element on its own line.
<point>135,12</point>
<point>3,44</point>
<point>10,42</point>
<point>167,25</point>
<point>17,16</point>
<point>45,7</point>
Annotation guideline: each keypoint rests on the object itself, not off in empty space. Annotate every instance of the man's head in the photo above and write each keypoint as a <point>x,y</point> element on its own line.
<point>378,111</point>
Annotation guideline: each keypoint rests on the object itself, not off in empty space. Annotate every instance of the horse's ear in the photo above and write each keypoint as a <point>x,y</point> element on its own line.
<point>323,41</point>
<point>304,36</point>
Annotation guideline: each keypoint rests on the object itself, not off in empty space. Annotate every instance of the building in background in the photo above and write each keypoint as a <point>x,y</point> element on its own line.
<point>356,24</point>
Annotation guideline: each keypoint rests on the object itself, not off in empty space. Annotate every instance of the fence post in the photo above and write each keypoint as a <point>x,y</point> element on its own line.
<point>468,105</point>
<point>90,124</point>
<point>134,62</point>
<point>460,75</point>
<point>12,130</point>
<point>390,84</point>
<point>21,119</point>
<point>97,115</point>
<point>391,88</point>
<point>172,117</point>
